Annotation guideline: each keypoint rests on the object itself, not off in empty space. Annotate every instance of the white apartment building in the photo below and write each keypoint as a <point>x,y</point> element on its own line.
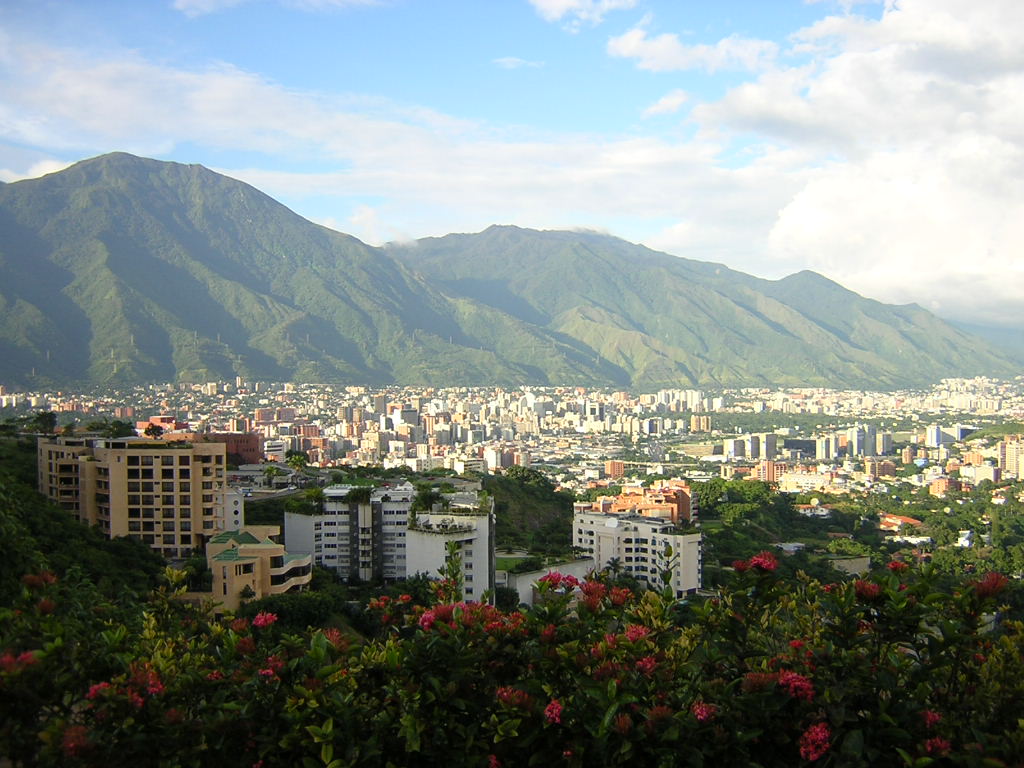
<point>639,546</point>
<point>368,534</point>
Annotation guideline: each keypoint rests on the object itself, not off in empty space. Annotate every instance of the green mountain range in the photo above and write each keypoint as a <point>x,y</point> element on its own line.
<point>122,269</point>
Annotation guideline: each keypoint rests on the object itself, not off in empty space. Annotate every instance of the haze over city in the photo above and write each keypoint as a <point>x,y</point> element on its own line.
<point>878,144</point>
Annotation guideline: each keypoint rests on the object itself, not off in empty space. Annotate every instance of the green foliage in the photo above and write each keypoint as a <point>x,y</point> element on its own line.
<point>529,512</point>
<point>39,535</point>
<point>772,672</point>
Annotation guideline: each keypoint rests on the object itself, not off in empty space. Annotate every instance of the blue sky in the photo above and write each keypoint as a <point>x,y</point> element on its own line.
<point>877,143</point>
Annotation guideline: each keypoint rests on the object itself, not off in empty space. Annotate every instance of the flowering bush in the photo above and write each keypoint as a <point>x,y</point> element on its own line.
<point>887,670</point>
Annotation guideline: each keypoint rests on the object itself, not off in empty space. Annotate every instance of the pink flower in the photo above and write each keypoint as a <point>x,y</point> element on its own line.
<point>647,665</point>
<point>740,565</point>
<point>264,619</point>
<point>764,561</point>
<point>427,620</point>
<point>553,711</point>
<point>267,673</point>
<point>703,711</point>
<point>27,658</point>
<point>799,687</point>
<point>96,690</point>
<point>493,761</point>
<point>635,632</point>
<point>931,718</point>
<point>814,742</point>
<point>937,746</point>
<point>897,566</point>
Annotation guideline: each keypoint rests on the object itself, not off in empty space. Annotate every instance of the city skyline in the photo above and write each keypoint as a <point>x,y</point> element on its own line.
<point>873,143</point>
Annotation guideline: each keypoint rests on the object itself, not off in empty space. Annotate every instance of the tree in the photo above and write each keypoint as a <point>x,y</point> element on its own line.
<point>270,473</point>
<point>297,460</point>
<point>44,421</point>
<point>154,431</point>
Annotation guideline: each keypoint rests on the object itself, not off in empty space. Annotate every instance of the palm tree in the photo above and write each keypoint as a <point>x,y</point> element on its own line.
<point>270,473</point>
<point>297,461</point>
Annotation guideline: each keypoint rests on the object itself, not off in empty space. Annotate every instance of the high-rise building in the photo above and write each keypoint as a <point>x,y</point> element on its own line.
<point>645,548</point>
<point>168,494</point>
<point>371,535</point>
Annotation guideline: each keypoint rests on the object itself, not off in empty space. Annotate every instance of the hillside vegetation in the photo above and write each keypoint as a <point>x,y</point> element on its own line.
<point>124,269</point>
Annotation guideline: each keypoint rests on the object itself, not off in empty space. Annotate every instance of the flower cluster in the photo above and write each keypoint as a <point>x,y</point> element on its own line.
<point>264,619</point>
<point>815,742</point>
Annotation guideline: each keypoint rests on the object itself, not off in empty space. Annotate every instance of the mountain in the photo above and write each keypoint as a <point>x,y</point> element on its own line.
<point>660,319</point>
<point>122,269</point>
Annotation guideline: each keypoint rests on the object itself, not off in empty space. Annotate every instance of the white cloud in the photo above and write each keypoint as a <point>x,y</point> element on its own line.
<point>666,53</point>
<point>512,62</point>
<point>889,154</point>
<point>40,168</point>
<point>668,104</point>
<point>579,11</point>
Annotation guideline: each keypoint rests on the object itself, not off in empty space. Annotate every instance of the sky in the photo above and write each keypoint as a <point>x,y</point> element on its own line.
<point>878,143</point>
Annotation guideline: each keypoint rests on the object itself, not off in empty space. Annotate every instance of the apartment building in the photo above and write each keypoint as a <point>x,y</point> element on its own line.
<point>371,534</point>
<point>249,564</point>
<point>642,547</point>
<point>169,494</point>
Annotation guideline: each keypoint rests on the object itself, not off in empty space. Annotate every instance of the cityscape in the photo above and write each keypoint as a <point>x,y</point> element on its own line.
<point>576,383</point>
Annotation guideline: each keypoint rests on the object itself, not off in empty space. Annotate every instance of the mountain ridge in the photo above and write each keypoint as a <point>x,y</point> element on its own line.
<point>127,269</point>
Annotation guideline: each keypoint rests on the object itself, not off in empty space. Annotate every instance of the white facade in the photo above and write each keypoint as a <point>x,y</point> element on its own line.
<point>639,546</point>
<point>374,539</point>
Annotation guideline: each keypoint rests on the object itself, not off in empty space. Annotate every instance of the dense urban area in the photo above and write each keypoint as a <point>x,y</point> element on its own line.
<point>792,540</point>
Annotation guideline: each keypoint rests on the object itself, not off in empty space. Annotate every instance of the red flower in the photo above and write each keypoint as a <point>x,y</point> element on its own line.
<point>990,585</point>
<point>245,646</point>
<point>96,690</point>
<point>593,589</point>
<point>799,687</point>
<point>553,711</point>
<point>405,598</point>
<point>513,697</point>
<point>796,645</point>
<point>937,746</point>
<point>547,635</point>
<point>635,632</point>
<point>703,711</point>
<point>620,595</point>
<point>623,724</point>
<point>657,715</point>
<point>493,761</point>
<point>931,718</point>
<point>46,606</point>
<point>264,619</point>
<point>764,562</point>
<point>75,741</point>
<point>240,625</point>
<point>897,566</point>
<point>740,565</point>
<point>758,681</point>
<point>814,742</point>
<point>27,658</point>
<point>867,590</point>
<point>647,665</point>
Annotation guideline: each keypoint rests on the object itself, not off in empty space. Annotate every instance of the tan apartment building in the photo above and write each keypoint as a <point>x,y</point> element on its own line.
<point>169,494</point>
<point>249,564</point>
